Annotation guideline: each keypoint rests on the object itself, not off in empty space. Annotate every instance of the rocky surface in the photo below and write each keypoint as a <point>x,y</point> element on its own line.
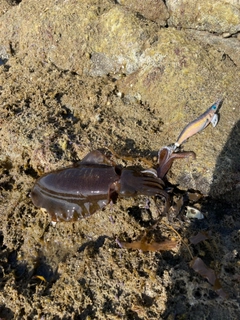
<point>221,17</point>
<point>126,76</point>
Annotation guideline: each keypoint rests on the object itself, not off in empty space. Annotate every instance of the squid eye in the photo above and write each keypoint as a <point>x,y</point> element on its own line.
<point>118,170</point>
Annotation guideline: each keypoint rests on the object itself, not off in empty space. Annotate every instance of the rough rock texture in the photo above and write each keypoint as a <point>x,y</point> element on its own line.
<point>212,16</point>
<point>126,76</point>
<point>154,10</point>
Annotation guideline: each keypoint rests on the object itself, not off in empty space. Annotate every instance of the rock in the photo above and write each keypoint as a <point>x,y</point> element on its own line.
<point>213,16</point>
<point>228,47</point>
<point>91,74</point>
<point>183,70</point>
<point>51,32</point>
<point>118,42</point>
<point>176,73</point>
<point>154,10</point>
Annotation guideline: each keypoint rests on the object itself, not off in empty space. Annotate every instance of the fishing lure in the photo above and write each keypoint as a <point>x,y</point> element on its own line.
<point>197,125</point>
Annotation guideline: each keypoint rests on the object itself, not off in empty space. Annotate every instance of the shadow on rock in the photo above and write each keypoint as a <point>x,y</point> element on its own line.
<point>192,296</point>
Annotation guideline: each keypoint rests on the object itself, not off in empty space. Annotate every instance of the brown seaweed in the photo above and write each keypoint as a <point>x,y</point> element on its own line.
<point>200,236</point>
<point>154,246</point>
<point>201,268</point>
